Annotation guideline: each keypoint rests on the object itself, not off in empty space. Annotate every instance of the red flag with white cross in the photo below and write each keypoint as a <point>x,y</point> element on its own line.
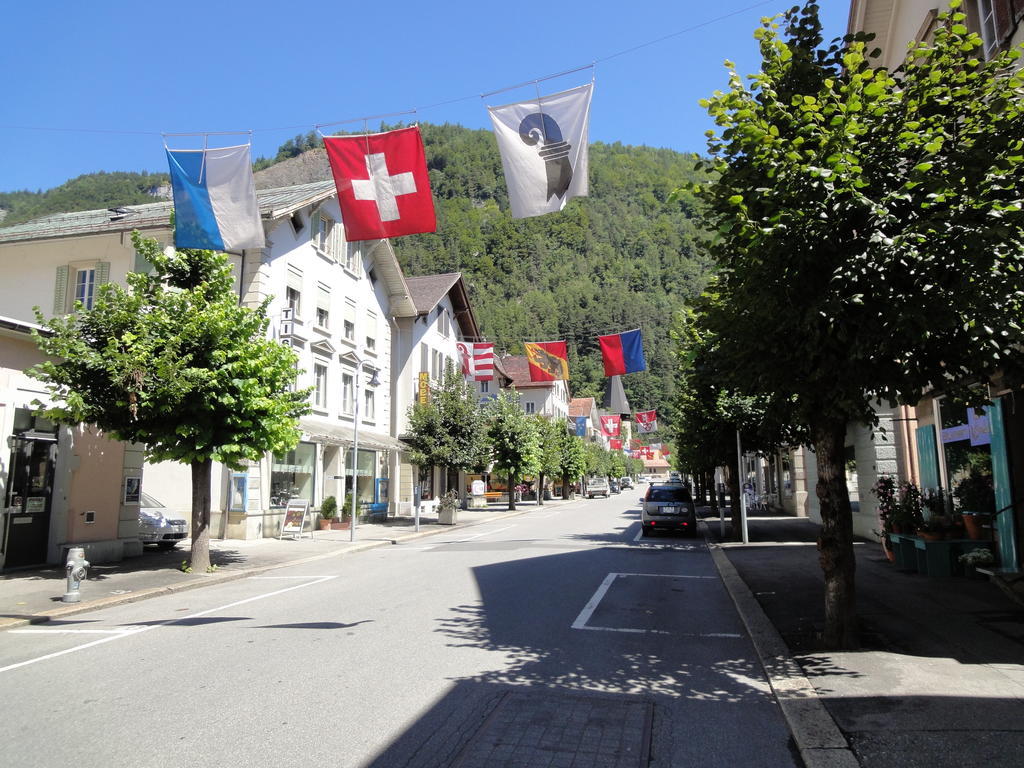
<point>383,186</point>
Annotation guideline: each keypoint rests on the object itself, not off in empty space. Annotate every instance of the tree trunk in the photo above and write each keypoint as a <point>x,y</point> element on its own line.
<point>709,482</point>
<point>698,488</point>
<point>511,493</point>
<point>540,489</point>
<point>733,483</point>
<point>201,473</point>
<point>565,487</point>
<point>835,543</point>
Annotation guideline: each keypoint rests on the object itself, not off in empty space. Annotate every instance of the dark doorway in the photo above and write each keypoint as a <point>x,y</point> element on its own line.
<point>29,493</point>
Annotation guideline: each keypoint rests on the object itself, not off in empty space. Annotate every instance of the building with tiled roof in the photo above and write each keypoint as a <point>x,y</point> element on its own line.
<point>550,398</point>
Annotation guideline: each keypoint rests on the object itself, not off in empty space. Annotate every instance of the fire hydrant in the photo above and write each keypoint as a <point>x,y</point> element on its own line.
<point>76,568</point>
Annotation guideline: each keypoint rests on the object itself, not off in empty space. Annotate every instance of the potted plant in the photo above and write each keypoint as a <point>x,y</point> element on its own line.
<point>885,490</point>
<point>976,497</point>
<point>971,560</point>
<point>447,509</point>
<point>328,510</point>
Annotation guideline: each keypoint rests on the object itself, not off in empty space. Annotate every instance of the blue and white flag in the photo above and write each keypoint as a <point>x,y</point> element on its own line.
<point>543,146</point>
<point>215,204</point>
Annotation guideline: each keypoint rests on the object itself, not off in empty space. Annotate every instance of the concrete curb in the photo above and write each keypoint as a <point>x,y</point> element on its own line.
<point>819,739</point>
<point>209,580</point>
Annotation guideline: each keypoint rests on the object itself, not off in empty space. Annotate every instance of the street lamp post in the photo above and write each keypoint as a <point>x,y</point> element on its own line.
<point>373,382</point>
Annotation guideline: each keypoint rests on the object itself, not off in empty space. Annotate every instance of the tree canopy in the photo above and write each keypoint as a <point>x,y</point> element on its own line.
<point>172,361</point>
<point>869,238</point>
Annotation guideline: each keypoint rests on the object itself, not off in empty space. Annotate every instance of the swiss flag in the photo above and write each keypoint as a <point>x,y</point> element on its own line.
<point>382,181</point>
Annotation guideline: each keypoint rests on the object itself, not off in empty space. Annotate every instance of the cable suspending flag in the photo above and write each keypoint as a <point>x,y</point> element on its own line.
<point>549,360</point>
<point>623,353</point>
<point>477,360</point>
<point>215,205</point>
<point>383,186</point>
<point>543,145</point>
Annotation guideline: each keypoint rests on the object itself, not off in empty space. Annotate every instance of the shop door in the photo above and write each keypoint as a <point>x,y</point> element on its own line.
<point>30,490</point>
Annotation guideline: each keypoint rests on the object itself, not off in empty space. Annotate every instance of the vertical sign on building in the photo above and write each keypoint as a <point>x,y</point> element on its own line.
<point>424,388</point>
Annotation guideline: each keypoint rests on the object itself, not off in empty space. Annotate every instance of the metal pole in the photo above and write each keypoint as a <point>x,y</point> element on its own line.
<point>739,483</point>
<point>355,455</point>
<point>720,497</point>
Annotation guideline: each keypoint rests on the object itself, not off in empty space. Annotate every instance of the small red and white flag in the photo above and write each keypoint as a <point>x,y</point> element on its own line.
<point>477,360</point>
<point>646,422</point>
<point>615,444</point>
<point>611,425</point>
<point>383,186</point>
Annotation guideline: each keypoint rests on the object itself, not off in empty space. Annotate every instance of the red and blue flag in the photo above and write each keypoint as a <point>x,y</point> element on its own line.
<point>623,353</point>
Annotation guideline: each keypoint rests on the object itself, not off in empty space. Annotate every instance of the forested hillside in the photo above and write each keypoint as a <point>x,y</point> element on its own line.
<point>623,258</point>
<point>84,193</point>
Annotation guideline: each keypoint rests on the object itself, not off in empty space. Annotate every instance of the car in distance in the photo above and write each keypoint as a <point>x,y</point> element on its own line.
<point>613,484</point>
<point>598,486</point>
<point>159,525</point>
<point>625,482</point>
<point>668,507</point>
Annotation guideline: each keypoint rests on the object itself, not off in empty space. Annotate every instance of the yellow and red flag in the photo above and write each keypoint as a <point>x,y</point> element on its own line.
<point>549,360</point>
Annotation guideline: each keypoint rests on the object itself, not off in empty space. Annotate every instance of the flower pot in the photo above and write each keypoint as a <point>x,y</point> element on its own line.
<point>972,523</point>
<point>890,555</point>
<point>325,525</point>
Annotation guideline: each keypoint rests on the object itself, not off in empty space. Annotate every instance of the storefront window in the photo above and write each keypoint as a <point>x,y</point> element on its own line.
<point>366,474</point>
<point>967,450</point>
<point>293,475</point>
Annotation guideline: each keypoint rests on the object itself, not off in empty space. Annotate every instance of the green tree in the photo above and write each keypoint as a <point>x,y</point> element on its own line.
<point>870,239</point>
<point>449,431</point>
<point>514,439</point>
<point>173,362</point>
<point>572,461</point>
<point>550,461</point>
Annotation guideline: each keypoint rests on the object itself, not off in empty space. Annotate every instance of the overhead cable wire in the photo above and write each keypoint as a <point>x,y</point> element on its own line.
<point>447,102</point>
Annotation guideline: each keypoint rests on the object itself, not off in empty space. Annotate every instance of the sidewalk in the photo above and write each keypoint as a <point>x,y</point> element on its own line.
<point>939,680</point>
<point>33,596</point>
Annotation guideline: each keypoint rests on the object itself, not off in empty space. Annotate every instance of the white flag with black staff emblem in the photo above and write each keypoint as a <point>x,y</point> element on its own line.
<point>543,146</point>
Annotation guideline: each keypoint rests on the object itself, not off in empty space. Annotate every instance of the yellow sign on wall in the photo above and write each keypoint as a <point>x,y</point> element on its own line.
<point>424,393</point>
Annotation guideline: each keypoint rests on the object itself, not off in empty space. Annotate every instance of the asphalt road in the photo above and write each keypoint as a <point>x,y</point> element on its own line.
<point>557,636</point>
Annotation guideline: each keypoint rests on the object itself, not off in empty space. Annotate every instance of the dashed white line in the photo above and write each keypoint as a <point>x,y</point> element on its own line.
<point>130,632</point>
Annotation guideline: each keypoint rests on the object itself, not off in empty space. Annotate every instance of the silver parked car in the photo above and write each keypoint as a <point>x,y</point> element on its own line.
<point>159,525</point>
<point>668,507</point>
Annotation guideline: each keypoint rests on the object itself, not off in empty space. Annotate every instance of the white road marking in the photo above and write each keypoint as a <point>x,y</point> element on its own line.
<point>466,539</point>
<point>60,631</point>
<point>590,607</point>
<point>129,632</point>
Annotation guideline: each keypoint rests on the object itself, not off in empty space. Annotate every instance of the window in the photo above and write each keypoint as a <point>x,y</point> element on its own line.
<point>349,326</point>
<point>320,385</point>
<point>352,258</point>
<point>444,322</point>
<point>369,405</point>
<point>294,300</point>
<point>347,393</point>
<point>326,236</point>
<point>435,364</point>
<point>371,331</point>
<point>530,408</point>
<point>987,23</point>
<point>323,306</point>
<point>78,282</point>
<point>293,475</point>
<point>293,291</point>
<point>484,387</point>
<point>85,286</point>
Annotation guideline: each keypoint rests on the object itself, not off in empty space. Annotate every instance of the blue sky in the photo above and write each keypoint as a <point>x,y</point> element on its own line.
<point>92,86</point>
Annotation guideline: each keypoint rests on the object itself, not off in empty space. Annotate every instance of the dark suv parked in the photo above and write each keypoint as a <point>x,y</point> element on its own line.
<point>668,508</point>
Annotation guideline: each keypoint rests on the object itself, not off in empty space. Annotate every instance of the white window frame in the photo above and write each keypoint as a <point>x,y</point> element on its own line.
<point>88,298</point>
<point>320,385</point>
<point>348,388</point>
<point>529,408</point>
<point>369,404</point>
